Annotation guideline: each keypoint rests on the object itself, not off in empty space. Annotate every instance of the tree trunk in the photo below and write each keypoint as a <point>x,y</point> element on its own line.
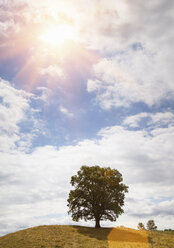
<point>97,223</point>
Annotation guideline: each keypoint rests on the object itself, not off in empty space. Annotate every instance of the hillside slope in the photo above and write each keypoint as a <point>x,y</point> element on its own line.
<point>86,237</point>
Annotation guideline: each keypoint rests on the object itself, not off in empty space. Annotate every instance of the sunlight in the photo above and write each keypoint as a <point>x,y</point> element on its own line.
<point>57,35</point>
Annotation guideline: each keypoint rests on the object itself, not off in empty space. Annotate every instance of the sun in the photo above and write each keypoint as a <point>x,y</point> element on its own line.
<point>57,35</point>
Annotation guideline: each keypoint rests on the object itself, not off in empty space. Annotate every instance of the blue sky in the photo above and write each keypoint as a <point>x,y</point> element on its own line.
<point>85,82</point>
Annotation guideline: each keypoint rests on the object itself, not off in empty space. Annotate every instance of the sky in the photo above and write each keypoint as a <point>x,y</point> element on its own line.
<point>85,82</point>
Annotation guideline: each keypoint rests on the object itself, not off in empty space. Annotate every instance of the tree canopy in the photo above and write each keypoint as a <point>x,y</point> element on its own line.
<point>151,225</point>
<point>98,195</point>
<point>141,226</point>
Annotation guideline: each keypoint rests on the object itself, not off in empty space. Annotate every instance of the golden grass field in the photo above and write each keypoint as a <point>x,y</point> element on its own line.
<point>85,237</point>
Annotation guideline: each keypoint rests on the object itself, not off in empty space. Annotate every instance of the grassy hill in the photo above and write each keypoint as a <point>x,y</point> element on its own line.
<point>86,237</point>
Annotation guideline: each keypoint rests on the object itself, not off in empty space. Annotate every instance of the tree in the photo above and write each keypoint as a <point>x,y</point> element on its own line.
<point>151,225</point>
<point>141,226</point>
<point>98,195</point>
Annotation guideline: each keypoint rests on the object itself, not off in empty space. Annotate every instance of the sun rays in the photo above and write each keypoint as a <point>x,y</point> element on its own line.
<point>52,41</point>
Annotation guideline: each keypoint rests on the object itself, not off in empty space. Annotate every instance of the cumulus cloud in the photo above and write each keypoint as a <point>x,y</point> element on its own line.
<point>13,105</point>
<point>129,78</point>
<point>37,183</point>
<point>15,108</point>
<point>137,45</point>
<point>119,24</point>
<point>150,210</point>
<point>134,64</point>
<point>160,118</point>
<point>134,40</point>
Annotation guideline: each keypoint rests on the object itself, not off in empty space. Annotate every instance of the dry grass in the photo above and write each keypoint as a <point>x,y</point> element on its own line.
<point>127,238</point>
<point>85,237</point>
<point>161,239</point>
<point>56,237</point>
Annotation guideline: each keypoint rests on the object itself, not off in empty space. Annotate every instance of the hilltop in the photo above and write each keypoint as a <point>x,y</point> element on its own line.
<point>85,237</point>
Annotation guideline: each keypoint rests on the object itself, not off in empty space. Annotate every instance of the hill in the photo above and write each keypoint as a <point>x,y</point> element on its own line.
<point>85,237</point>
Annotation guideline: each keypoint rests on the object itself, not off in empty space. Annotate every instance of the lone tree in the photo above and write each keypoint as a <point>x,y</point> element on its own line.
<point>141,226</point>
<point>98,195</point>
<point>151,225</point>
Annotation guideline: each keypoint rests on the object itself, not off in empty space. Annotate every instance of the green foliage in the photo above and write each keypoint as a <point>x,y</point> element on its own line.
<point>151,225</point>
<point>98,195</point>
<point>141,226</point>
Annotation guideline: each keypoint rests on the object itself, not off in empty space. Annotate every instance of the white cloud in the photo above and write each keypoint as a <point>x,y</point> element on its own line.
<point>119,24</point>
<point>66,112</point>
<point>134,40</point>
<point>137,38</point>
<point>112,84</point>
<point>12,109</point>
<point>157,119</point>
<point>39,182</point>
<point>44,93</point>
<point>163,118</point>
<point>52,71</point>
<point>15,108</point>
<point>133,120</point>
<point>131,77</point>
